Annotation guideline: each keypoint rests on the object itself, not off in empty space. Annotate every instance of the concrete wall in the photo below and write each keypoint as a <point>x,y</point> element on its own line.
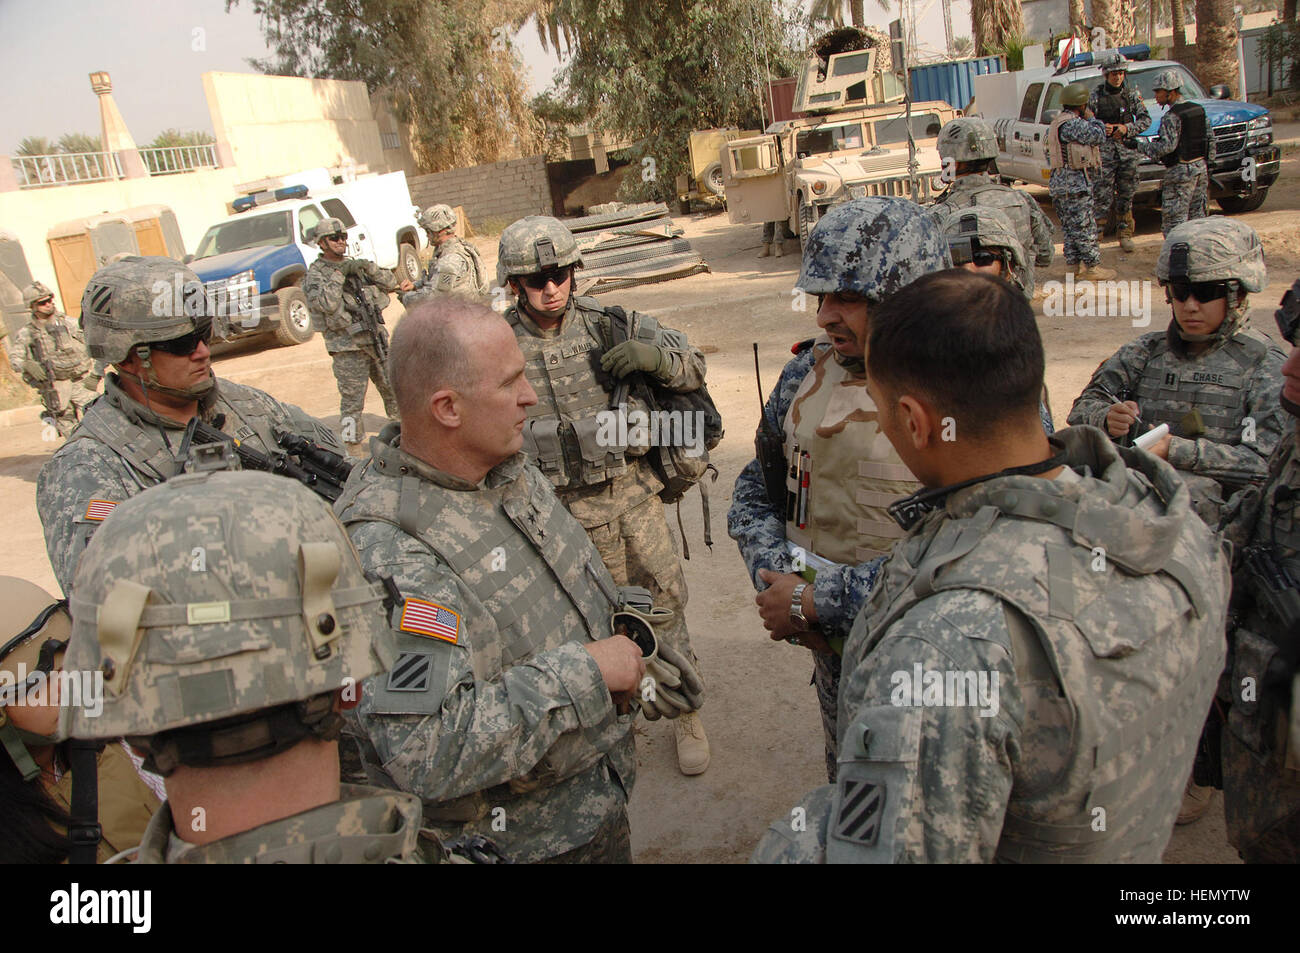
<point>198,199</point>
<point>279,124</point>
<point>499,190</point>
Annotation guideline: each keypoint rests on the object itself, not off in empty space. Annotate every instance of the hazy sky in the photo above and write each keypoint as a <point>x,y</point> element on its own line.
<point>157,50</point>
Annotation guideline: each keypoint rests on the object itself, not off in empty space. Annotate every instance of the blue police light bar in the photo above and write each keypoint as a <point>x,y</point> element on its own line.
<point>1138,51</point>
<point>245,202</point>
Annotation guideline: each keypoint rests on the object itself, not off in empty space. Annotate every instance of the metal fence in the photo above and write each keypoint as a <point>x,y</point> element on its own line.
<point>170,159</point>
<point>33,172</point>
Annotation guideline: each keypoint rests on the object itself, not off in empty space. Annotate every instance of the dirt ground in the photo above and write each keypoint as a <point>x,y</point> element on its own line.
<point>761,714</point>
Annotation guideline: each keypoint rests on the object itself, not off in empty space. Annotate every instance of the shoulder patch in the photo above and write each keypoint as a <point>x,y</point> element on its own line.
<point>421,617</point>
<point>98,509</point>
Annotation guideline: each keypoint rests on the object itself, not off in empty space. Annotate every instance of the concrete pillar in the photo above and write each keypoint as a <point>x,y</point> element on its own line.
<point>116,137</point>
<point>8,179</point>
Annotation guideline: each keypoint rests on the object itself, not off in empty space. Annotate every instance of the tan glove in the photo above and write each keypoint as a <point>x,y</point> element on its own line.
<point>34,370</point>
<point>672,685</point>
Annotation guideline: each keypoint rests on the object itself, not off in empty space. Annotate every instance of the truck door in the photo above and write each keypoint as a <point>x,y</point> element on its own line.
<point>308,217</point>
<point>361,243</point>
<point>1021,141</point>
<point>753,180</point>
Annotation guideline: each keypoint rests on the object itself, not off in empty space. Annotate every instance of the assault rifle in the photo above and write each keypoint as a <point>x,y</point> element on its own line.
<point>371,318</point>
<point>49,393</point>
<point>315,467</point>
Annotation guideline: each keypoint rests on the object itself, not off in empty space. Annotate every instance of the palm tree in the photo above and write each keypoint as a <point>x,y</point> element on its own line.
<point>994,22</point>
<point>36,146</point>
<point>1181,52</point>
<point>833,10</point>
<point>962,47</point>
<point>1216,43</point>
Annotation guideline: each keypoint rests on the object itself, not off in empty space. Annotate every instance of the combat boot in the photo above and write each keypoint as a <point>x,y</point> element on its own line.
<point>692,745</point>
<point>1196,801</point>
<point>1094,273</point>
<point>1126,229</point>
<point>778,249</point>
<point>767,250</point>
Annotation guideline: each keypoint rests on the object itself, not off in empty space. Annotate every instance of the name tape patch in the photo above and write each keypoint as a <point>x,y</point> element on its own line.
<point>421,617</point>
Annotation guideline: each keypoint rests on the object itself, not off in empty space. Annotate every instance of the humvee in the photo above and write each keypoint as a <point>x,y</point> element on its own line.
<point>852,143</point>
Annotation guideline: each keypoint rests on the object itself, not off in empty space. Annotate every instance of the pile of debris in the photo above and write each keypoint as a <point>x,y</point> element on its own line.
<point>624,245</point>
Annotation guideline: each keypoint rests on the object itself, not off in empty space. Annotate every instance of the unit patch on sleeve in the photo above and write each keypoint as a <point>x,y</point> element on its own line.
<point>422,617</point>
<point>98,509</point>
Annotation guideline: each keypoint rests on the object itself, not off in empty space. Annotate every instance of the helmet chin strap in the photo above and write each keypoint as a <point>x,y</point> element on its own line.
<point>193,392</point>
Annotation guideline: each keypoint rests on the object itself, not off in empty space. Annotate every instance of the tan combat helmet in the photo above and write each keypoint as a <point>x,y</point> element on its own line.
<point>1213,249</point>
<point>35,292</point>
<point>328,226</point>
<point>225,610</point>
<point>968,139</point>
<point>124,306</point>
<point>535,244</point>
<point>36,628</point>
<point>435,218</point>
<point>985,227</point>
<point>1076,94</point>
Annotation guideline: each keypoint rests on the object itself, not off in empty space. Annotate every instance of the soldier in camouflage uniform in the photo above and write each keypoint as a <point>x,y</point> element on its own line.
<point>1185,144</point>
<point>981,239</point>
<point>1210,376</point>
<point>1121,108</point>
<point>970,144</point>
<point>50,352</point>
<point>337,315</point>
<point>248,660</point>
<point>609,486</point>
<point>504,709</point>
<point>1261,735</point>
<point>456,267</point>
<point>130,438</point>
<point>821,408</point>
<point>998,703</point>
<point>1073,151</point>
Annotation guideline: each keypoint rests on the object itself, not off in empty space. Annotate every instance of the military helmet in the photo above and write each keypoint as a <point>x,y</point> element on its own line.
<point>34,636</point>
<point>991,229</point>
<point>328,226</point>
<point>1169,79</point>
<point>221,594</point>
<point>967,139</point>
<point>1213,249</point>
<point>437,217</point>
<point>141,300</point>
<point>1076,94</point>
<point>535,244</point>
<point>35,292</point>
<point>872,247</point>
<point>1117,64</point>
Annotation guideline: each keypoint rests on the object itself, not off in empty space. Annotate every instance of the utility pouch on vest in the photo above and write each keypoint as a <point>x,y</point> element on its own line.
<point>597,461</point>
<point>542,443</point>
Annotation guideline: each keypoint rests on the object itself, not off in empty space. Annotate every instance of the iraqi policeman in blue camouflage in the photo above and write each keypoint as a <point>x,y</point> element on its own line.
<point>506,709</point>
<point>1185,144</point>
<point>997,701</point>
<point>813,552</point>
<point>969,143</point>
<point>1121,108</point>
<point>1074,153</point>
<point>1261,733</point>
<point>231,620</point>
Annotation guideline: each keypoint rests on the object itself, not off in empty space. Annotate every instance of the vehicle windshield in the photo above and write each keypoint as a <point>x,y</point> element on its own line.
<point>829,139</point>
<point>924,126</point>
<point>258,231</point>
<point>1145,82</point>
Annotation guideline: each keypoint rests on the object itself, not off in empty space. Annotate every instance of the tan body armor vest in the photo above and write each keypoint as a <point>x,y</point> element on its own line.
<point>563,435</point>
<point>853,471</point>
<point>1069,155</point>
<point>547,549</point>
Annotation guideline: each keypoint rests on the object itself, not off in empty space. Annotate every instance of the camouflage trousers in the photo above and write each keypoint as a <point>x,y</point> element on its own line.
<point>1118,179</point>
<point>352,370</point>
<point>611,845</point>
<point>1183,195</point>
<point>1261,804</point>
<point>72,397</point>
<point>637,549</point>
<point>1072,198</point>
<point>776,232</point>
<point>826,676</point>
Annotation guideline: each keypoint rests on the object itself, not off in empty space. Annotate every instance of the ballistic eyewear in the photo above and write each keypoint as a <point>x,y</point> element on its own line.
<point>187,345</point>
<point>1203,291</point>
<point>556,276</point>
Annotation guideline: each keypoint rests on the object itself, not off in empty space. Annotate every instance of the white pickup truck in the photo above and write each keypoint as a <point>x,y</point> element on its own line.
<point>258,256</point>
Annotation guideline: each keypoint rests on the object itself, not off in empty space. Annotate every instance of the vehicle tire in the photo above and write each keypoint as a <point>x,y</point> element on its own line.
<point>807,219</point>
<point>712,179</point>
<point>1237,204</point>
<point>295,318</point>
<point>408,263</point>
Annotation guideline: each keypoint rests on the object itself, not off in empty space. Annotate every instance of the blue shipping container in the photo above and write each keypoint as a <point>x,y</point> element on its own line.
<point>953,83</point>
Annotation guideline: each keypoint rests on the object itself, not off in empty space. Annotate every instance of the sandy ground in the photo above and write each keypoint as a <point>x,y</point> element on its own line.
<point>761,714</point>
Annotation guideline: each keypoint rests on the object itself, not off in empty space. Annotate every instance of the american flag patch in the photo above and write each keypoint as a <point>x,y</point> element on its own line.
<point>98,509</point>
<point>431,619</point>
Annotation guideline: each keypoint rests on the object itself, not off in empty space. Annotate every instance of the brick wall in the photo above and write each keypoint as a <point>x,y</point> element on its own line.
<point>498,190</point>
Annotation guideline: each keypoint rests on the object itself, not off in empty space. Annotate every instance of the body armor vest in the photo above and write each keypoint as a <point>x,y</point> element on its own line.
<point>478,278</point>
<point>992,194</point>
<point>564,435</point>
<point>112,420</point>
<point>468,530</point>
<point>65,357</point>
<point>853,471</point>
<point>1069,155</point>
<point>1213,383</point>
<point>1132,696</point>
<point>1192,141</point>
<point>1113,107</point>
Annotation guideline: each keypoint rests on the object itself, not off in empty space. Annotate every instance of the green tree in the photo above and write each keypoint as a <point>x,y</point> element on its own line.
<point>80,142</point>
<point>36,146</point>
<point>447,66</point>
<point>172,138</point>
<point>653,72</point>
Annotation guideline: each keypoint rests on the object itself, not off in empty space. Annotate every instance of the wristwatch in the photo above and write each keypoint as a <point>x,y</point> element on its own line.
<point>796,608</point>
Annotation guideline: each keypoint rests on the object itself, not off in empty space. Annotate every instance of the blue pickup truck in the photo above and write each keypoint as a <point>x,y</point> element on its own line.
<point>254,261</point>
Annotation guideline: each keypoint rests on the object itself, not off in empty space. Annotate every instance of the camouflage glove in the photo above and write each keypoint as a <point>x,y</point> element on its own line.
<point>672,684</point>
<point>353,268</point>
<point>623,359</point>
<point>34,370</point>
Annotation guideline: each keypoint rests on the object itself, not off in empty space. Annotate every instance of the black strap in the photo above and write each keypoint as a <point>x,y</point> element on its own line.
<point>84,830</point>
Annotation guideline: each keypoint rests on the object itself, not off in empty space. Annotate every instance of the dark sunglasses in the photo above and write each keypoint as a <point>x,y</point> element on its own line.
<point>963,254</point>
<point>43,302</point>
<point>1203,291</point>
<point>187,345</point>
<point>556,276</point>
<point>340,237</point>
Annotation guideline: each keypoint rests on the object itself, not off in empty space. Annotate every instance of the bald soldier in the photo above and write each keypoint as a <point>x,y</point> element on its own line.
<point>504,710</point>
